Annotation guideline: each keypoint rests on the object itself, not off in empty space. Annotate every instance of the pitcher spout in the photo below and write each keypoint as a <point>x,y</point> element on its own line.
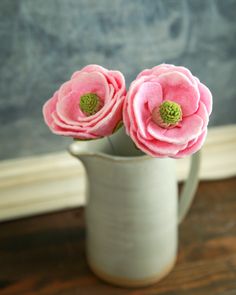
<point>117,147</point>
<point>88,151</point>
<point>81,152</point>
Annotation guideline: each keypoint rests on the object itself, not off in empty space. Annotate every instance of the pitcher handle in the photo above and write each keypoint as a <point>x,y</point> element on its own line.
<point>190,187</point>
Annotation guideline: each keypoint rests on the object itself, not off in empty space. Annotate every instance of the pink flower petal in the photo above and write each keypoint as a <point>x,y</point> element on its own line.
<point>104,111</point>
<point>110,101</point>
<point>70,115</point>
<point>161,147</point>
<point>111,93</point>
<point>49,107</point>
<point>143,147</point>
<point>193,148</point>
<point>64,90</point>
<point>205,97</point>
<point>152,94</point>
<point>64,131</point>
<point>161,69</point>
<point>57,120</point>
<point>92,68</point>
<point>191,127</point>
<point>202,113</point>
<point>126,119</point>
<point>141,113</point>
<point>187,73</point>
<point>113,77</point>
<point>107,124</point>
<point>157,70</point>
<point>68,109</point>
<point>117,80</point>
<point>177,87</point>
<point>63,115</point>
<point>129,113</point>
<point>140,100</point>
<point>91,83</point>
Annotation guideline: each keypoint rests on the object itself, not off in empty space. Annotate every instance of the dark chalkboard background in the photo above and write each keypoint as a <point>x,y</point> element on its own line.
<point>43,41</point>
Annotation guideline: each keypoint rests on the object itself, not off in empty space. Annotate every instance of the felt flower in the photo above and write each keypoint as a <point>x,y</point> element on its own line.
<point>89,105</point>
<point>166,111</point>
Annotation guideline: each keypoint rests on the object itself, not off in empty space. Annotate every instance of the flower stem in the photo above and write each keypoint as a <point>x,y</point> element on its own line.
<point>111,145</point>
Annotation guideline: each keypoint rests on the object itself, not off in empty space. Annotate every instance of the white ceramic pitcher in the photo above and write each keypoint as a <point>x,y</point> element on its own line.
<point>132,211</point>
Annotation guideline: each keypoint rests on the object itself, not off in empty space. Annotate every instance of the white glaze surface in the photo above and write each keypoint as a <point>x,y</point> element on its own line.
<point>132,210</point>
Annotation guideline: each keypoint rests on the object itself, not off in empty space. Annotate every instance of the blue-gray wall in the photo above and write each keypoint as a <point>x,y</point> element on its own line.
<point>43,41</point>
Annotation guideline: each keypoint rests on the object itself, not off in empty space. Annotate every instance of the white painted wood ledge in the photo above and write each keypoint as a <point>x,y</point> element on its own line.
<point>55,181</point>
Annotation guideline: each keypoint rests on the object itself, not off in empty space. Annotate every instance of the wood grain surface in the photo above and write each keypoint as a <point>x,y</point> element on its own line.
<point>46,254</point>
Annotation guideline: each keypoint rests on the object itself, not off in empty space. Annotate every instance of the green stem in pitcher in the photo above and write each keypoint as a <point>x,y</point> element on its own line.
<point>111,145</point>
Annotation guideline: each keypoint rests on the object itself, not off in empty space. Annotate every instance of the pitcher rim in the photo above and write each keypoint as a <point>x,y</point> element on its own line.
<point>105,156</point>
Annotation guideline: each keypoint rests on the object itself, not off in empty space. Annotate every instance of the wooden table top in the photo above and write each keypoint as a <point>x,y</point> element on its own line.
<point>45,254</point>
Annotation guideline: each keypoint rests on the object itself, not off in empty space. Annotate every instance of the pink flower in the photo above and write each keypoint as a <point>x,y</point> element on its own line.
<point>89,105</point>
<point>166,111</point>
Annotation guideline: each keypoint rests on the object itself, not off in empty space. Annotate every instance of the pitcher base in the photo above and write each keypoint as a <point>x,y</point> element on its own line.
<point>123,282</point>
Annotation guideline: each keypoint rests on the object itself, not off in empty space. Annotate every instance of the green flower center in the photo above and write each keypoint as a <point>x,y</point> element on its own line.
<point>170,112</point>
<point>90,104</point>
